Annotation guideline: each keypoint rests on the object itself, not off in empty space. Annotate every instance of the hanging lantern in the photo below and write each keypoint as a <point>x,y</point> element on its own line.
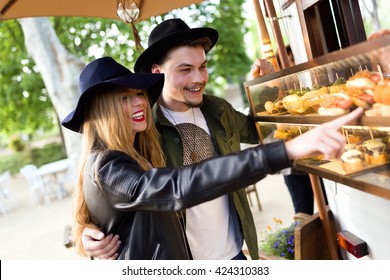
<point>129,11</point>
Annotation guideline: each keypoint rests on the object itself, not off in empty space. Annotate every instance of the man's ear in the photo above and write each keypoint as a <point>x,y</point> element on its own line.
<point>156,69</point>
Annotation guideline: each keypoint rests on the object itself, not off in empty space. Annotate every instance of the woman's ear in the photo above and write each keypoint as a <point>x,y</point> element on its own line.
<point>156,69</point>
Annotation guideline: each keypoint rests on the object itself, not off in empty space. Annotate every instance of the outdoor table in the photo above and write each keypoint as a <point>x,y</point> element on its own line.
<point>57,169</point>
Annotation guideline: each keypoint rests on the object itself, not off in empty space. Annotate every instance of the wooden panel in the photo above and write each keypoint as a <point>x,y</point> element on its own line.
<point>308,3</point>
<point>305,34</point>
<point>310,242</point>
<point>313,31</point>
<point>353,21</point>
<point>331,25</point>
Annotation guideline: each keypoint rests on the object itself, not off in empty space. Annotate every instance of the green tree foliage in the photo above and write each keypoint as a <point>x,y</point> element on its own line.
<point>230,53</point>
<point>90,38</point>
<point>24,104</point>
<point>229,57</point>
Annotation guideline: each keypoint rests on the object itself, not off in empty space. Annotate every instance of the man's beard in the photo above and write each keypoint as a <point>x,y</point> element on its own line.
<point>193,105</point>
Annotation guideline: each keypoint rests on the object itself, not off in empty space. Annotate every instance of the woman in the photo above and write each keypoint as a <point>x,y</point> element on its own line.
<point>119,188</point>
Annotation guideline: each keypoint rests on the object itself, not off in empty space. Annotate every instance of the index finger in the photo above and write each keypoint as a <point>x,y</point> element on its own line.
<point>339,122</point>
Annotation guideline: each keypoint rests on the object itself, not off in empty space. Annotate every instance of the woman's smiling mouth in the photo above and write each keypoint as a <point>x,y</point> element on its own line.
<point>138,116</point>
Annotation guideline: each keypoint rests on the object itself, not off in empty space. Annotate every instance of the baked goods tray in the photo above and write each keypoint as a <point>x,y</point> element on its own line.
<point>336,166</point>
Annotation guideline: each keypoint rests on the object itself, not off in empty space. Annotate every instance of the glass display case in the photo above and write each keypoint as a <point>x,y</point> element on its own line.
<point>308,83</point>
<point>287,103</point>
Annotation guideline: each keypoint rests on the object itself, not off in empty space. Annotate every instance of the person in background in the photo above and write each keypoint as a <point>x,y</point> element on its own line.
<point>122,184</point>
<point>381,58</point>
<point>195,126</point>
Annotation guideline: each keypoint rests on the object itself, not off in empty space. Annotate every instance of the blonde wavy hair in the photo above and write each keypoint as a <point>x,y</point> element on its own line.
<point>106,127</point>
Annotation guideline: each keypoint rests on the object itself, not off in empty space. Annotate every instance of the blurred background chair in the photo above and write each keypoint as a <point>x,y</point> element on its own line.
<point>6,200</point>
<point>68,178</point>
<point>252,189</point>
<point>38,189</point>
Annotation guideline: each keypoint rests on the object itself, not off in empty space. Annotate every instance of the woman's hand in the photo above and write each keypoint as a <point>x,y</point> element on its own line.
<point>99,246</point>
<point>325,139</point>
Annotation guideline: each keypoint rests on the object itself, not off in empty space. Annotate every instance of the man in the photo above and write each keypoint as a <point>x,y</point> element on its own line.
<point>381,58</point>
<point>194,127</point>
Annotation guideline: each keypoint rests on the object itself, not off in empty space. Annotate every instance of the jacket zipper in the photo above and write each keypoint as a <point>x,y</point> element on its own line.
<point>156,251</point>
<point>180,218</point>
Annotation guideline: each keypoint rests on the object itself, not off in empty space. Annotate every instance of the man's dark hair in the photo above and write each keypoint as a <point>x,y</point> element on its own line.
<point>289,52</point>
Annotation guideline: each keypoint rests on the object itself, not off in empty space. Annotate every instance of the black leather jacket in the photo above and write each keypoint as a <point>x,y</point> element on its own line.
<point>140,205</point>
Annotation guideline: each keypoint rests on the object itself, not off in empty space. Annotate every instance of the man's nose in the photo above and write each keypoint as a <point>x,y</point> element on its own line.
<point>199,77</point>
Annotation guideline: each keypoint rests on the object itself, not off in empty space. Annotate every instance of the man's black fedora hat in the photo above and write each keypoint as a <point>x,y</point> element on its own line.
<point>106,71</point>
<point>167,35</point>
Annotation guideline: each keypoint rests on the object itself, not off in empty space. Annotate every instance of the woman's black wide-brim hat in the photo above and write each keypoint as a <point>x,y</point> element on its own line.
<point>167,35</point>
<point>106,71</point>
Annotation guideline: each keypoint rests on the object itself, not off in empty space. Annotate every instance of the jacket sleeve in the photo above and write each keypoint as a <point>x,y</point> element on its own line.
<point>130,188</point>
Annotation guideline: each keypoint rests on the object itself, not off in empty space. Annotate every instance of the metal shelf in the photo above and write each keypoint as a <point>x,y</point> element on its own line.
<point>315,119</point>
<point>375,181</point>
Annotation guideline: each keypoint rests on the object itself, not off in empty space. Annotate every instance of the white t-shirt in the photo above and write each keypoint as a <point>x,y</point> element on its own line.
<point>209,226</point>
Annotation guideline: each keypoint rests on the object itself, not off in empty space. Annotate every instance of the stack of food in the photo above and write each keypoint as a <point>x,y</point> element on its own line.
<point>381,107</point>
<point>375,151</point>
<point>343,95</point>
<point>286,132</point>
<point>352,160</point>
<point>372,152</point>
<point>360,87</point>
<point>363,89</point>
<point>335,104</point>
<point>274,107</point>
<point>306,103</point>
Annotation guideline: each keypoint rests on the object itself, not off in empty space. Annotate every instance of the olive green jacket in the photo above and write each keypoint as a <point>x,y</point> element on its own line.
<point>228,129</point>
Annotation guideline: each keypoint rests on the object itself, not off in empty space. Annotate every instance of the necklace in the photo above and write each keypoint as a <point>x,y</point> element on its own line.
<point>186,141</point>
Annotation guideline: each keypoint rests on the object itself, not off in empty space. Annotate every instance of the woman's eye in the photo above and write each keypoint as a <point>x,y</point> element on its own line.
<point>124,98</point>
<point>140,94</point>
